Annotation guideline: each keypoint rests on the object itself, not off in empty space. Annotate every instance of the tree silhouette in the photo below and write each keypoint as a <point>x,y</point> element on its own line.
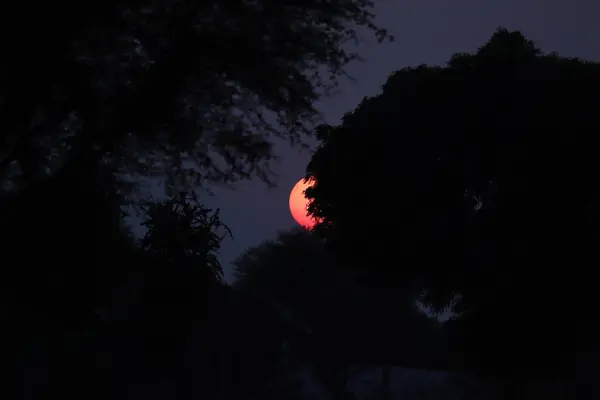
<point>348,324</point>
<point>282,270</point>
<point>276,278</point>
<point>182,285</point>
<point>191,89</point>
<point>182,233</point>
<point>66,257</point>
<point>88,308</point>
<point>60,242</point>
<point>477,177</point>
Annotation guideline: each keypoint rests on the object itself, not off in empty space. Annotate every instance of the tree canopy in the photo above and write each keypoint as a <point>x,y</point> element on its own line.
<point>345,322</point>
<point>191,89</point>
<point>475,179</point>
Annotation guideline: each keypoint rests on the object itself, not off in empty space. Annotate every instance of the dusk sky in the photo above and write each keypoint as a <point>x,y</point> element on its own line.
<point>427,32</point>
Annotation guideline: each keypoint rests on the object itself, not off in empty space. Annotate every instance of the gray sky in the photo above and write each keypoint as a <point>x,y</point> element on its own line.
<point>427,32</point>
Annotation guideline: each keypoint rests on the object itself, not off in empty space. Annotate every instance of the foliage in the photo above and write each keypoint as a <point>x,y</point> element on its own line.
<point>76,287</point>
<point>52,254</point>
<point>474,179</point>
<point>180,231</point>
<point>282,266</point>
<point>66,259</point>
<point>193,89</point>
<point>290,276</point>
<point>348,323</point>
<point>285,276</point>
<point>182,281</point>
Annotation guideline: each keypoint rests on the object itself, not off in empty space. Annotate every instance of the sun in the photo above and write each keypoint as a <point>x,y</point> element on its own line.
<point>299,204</point>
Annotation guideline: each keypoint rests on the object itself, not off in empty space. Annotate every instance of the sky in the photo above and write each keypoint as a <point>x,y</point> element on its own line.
<point>427,32</point>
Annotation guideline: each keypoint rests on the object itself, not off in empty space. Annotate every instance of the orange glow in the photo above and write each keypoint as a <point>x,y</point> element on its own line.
<point>299,204</point>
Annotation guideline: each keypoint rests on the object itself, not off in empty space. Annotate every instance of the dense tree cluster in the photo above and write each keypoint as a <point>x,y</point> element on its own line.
<point>476,179</point>
<point>338,323</point>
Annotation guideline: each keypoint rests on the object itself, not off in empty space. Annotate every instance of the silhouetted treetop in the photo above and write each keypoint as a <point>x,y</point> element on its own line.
<point>194,89</point>
<point>183,234</point>
<point>475,178</point>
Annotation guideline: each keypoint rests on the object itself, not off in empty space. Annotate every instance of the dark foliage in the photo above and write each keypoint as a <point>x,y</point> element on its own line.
<point>181,233</point>
<point>60,240</point>
<point>336,321</point>
<point>66,256</point>
<point>476,178</point>
<point>193,89</point>
<point>90,310</point>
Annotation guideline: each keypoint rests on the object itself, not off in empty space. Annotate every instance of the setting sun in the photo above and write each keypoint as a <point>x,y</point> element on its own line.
<point>299,204</point>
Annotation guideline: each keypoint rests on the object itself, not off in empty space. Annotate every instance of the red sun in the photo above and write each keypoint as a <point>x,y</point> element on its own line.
<point>299,204</point>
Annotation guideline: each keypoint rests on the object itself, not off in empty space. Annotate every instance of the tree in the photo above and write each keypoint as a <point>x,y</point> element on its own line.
<point>273,280</point>
<point>182,233</point>
<point>182,287</point>
<point>347,322</point>
<point>181,273</point>
<point>283,269</point>
<point>192,89</point>
<point>60,242</point>
<point>475,176</point>
<point>66,257</point>
<point>78,288</point>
